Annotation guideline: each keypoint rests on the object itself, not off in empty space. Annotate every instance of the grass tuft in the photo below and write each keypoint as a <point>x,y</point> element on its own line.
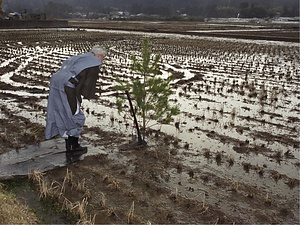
<point>14,212</point>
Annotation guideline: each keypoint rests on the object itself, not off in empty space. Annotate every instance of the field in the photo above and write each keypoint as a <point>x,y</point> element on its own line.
<point>231,156</point>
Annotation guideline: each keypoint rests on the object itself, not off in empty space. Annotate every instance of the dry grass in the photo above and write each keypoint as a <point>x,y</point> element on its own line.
<point>14,212</point>
<point>130,215</point>
<point>56,191</point>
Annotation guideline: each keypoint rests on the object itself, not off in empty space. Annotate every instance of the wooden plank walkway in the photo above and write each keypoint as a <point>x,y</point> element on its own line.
<point>41,157</point>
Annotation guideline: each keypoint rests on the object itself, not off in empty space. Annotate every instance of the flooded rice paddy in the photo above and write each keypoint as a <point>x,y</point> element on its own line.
<point>239,102</point>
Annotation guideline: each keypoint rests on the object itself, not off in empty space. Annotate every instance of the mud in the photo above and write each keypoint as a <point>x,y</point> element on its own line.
<point>233,158</point>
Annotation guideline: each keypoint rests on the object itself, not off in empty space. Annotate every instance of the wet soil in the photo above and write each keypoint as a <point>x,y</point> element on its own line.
<point>154,184</point>
<point>268,31</point>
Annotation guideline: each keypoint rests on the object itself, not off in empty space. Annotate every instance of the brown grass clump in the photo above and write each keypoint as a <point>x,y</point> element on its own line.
<point>13,212</point>
<point>56,191</point>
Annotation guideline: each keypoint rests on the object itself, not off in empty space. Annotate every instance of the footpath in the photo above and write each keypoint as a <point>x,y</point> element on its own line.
<point>40,157</point>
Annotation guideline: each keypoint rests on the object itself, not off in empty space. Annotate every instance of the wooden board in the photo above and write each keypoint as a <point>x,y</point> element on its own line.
<point>41,157</point>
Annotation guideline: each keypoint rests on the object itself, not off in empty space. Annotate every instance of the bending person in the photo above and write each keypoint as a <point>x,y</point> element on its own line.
<point>77,77</point>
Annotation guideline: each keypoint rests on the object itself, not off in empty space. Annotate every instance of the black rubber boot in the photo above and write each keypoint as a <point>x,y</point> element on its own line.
<point>69,155</point>
<point>68,145</point>
<point>75,147</point>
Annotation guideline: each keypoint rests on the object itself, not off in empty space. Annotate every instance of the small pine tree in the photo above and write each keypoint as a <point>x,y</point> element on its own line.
<point>150,93</point>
